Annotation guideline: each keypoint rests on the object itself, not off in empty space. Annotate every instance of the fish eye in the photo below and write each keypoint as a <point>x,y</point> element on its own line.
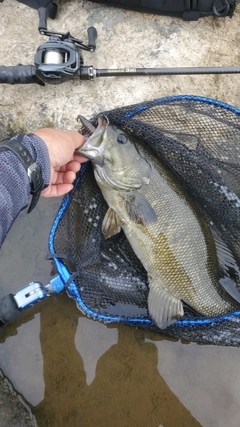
<point>121,139</point>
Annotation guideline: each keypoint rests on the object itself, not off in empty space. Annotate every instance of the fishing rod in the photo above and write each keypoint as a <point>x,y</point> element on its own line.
<point>60,59</point>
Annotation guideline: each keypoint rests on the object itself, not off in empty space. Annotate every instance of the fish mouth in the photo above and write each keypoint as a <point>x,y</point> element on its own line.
<point>92,149</point>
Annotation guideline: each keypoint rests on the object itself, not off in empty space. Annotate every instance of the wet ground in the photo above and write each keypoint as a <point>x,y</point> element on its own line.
<point>14,411</point>
<point>61,366</point>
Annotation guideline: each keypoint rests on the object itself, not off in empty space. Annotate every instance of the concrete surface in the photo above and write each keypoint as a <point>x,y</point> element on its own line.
<point>125,39</point>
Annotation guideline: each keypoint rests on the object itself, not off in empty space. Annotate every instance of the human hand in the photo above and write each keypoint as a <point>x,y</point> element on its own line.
<point>64,162</point>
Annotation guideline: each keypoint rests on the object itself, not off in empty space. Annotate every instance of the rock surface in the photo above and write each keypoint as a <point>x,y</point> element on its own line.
<point>14,412</point>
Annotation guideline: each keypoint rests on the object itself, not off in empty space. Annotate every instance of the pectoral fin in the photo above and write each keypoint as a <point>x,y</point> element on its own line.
<point>164,309</point>
<point>111,224</point>
<point>139,209</point>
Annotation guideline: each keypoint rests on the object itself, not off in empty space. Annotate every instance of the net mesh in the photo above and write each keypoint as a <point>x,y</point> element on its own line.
<point>199,140</point>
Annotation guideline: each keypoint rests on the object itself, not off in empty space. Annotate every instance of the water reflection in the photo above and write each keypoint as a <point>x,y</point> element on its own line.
<point>95,374</point>
<point>21,358</point>
<point>74,371</point>
<point>126,390</point>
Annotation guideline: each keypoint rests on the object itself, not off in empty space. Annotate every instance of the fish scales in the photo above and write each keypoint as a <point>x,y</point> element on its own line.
<point>164,228</point>
<point>175,246</point>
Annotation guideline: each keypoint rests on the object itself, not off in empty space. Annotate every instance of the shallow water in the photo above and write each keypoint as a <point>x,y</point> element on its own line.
<point>74,371</point>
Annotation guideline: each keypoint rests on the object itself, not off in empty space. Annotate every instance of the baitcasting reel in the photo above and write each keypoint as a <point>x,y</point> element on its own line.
<point>60,59</point>
<point>56,61</point>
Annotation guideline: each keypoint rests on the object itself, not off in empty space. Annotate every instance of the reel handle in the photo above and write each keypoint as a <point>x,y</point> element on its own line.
<point>43,15</point>
<point>92,36</point>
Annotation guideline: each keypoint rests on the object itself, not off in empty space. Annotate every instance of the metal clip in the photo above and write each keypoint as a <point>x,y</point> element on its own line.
<point>55,286</point>
<point>91,72</point>
<point>28,296</point>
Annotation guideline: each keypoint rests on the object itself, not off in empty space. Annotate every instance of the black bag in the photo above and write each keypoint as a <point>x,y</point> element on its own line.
<point>50,5</point>
<point>189,10</point>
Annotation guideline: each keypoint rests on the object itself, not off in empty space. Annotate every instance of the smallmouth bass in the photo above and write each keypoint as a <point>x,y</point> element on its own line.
<point>161,224</point>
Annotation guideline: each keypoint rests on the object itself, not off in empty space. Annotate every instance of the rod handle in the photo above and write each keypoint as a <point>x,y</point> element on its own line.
<point>19,74</point>
<point>8,309</point>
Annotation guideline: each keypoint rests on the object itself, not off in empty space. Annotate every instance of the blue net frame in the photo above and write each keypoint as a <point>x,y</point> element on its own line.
<point>67,278</point>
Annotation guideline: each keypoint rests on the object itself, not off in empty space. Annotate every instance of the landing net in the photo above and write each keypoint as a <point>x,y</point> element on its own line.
<point>199,140</point>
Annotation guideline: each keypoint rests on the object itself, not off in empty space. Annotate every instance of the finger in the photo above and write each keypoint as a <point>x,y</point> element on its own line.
<point>80,158</point>
<point>73,166</point>
<point>69,177</point>
<point>65,178</point>
<point>79,139</point>
<point>57,190</point>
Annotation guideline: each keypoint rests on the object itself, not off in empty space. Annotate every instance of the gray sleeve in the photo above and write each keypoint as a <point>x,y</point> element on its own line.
<point>14,181</point>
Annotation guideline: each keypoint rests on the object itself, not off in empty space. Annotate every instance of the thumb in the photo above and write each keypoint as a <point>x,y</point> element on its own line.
<point>77,139</point>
